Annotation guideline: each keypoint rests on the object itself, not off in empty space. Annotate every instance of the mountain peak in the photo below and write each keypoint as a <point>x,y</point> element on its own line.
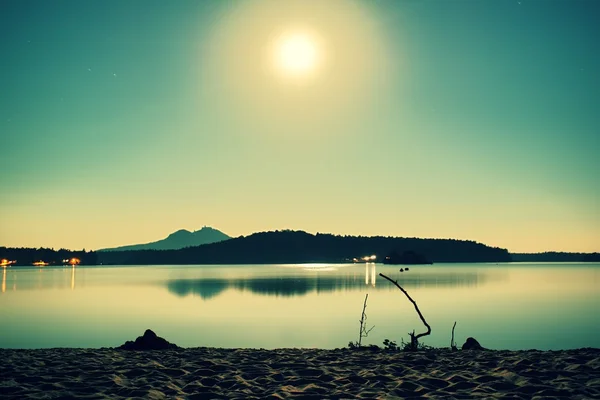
<point>178,240</point>
<point>206,229</point>
<point>181,232</point>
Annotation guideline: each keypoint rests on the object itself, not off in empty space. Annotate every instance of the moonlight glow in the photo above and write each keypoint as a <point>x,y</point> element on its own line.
<point>299,68</point>
<point>296,54</point>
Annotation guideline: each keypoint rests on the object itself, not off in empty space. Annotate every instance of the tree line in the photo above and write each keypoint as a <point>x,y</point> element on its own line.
<point>27,255</point>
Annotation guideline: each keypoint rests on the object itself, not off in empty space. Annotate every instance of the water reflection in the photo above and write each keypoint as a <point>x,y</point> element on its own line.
<point>283,286</point>
<point>205,288</point>
<point>370,274</point>
<point>38,278</point>
<point>319,267</point>
<point>8,278</point>
<point>300,285</point>
<point>282,280</point>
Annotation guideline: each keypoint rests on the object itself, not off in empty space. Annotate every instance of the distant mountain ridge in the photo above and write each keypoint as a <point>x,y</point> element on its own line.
<point>283,247</point>
<point>178,240</point>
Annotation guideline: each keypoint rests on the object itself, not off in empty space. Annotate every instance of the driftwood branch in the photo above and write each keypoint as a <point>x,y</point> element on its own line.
<point>452,342</point>
<point>414,339</point>
<point>364,332</point>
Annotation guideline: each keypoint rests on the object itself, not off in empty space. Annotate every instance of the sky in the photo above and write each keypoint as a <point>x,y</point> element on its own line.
<point>123,121</point>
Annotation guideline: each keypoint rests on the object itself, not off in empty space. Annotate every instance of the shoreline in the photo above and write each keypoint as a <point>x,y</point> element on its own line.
<point>203,372</point>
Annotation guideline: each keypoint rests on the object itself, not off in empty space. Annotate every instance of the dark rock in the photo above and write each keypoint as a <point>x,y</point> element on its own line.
<point>472,344</point>
<point>150,341</point>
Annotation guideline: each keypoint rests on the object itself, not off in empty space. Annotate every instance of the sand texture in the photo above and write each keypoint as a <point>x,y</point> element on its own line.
<point>205,373</point>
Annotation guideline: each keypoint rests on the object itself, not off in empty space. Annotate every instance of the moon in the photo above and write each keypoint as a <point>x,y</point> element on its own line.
<point>297,55</point>
<point>299,68</point>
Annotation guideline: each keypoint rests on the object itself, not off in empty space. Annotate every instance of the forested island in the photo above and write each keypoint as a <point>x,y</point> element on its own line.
<point>301,247</point>
<point>283,247</point>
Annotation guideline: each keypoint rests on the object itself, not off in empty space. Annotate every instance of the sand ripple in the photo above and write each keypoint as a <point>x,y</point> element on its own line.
<point>206,373</point>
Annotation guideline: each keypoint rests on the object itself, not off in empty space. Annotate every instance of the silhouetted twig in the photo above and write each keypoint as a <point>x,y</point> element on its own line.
<point>414,339</point>
<point>452,342</point>
<point>364,332</point>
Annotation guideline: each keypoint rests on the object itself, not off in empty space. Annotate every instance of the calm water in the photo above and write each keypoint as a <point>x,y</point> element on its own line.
<point>505,306</point>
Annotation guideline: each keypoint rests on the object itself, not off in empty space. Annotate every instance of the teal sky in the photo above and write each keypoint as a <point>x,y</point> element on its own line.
<point>122,121</point>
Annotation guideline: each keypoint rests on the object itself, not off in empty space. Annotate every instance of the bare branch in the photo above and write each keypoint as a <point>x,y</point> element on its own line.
<point>452,343</point>
<point>364,332</point>
<point>414,339</point>
<point>362,320</point>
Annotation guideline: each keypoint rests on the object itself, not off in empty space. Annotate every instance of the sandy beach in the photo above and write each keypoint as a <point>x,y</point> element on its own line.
<point>204,373</point>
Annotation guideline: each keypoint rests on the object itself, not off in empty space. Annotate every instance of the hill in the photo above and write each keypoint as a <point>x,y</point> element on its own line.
<point>178,240</point>
<point>301,247</point>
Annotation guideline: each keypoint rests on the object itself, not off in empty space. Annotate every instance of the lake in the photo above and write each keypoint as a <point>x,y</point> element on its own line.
<point>546,306</point>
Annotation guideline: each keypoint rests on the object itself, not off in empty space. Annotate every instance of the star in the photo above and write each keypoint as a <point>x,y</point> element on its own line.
<point>114,75</point>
